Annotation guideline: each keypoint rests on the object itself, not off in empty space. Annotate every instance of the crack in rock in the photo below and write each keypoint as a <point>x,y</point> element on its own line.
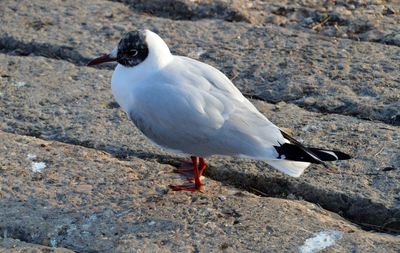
<point>359,210</point>
<point>189,10</point>
<point>334,20</point>
<point>61,227</point>
<point>12,46</point>
<point>352,109</point>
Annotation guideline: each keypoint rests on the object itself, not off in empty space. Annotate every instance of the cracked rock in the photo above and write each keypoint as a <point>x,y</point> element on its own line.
<point>77,175</point>
<point>277,63</point>
<point>124,208</point>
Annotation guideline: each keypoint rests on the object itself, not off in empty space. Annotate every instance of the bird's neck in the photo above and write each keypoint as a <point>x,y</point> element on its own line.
<point>159,54</point>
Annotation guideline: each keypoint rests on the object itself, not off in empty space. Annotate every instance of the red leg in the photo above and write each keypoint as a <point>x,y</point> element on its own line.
<point>202,165</point>
<point>197,182</point>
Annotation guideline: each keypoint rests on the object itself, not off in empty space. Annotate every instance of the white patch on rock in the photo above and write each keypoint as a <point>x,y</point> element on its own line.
<point>53,242</point>
<point>19,84</point>
<point>38,166</point>
<point>320,241</point>
<point>31,156</point>
<point>5,233</point>
<point>309,128</point>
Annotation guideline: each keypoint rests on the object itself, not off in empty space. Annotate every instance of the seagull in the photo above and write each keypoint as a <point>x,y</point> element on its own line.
<point>189,107</point>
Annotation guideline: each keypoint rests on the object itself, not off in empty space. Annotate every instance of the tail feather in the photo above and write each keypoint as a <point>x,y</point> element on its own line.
<point>294,169</point>
<point>293,158</point>
<point>297,152</point>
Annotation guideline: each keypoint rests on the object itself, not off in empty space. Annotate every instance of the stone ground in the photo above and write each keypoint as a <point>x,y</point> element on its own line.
<point>77,176</point>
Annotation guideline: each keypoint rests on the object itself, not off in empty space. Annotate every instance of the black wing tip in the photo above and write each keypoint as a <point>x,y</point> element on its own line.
<point>295,152</point>
<point>342,156</point>
<point>329,155</point>
<point>315,155</point>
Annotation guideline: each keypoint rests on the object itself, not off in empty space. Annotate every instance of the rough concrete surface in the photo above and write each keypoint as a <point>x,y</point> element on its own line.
<point>317,72</point>
<point>77,175</point>
<point>17,246</point>
<point>89,201</point>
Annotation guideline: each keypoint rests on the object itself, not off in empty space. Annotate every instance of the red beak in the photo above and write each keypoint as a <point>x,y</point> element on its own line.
<point>101,59</point>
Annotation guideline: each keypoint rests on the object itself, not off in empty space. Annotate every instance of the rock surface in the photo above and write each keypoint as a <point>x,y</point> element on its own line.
<point>76,174</point>
<point>314,71</point>
<point>17,246</point>
<point>89,201</point>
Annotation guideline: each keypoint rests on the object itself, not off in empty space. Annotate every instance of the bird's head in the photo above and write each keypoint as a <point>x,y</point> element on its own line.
<point>131,50</point>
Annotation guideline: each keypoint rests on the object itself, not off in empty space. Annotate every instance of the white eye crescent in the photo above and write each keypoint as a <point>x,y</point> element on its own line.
<point>132,52</point>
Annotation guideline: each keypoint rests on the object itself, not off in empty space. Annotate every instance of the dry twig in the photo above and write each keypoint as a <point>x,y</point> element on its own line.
<point>319,25</point>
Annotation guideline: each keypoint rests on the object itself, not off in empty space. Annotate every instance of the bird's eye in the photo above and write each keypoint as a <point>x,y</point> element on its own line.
<point>132,52</point>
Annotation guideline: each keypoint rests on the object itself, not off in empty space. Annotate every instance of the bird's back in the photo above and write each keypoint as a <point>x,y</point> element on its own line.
<point>192,107</point>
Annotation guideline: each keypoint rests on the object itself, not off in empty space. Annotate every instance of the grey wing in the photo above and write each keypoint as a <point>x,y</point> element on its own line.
<point>194,108</point>
<point>210,78</point>
<point>216,83</point>
<point>220,86</point>
<point>245,129</point>
<point>177,118</point>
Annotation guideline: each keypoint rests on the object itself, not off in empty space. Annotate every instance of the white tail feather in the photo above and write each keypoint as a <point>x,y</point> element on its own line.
<point>292,168</point>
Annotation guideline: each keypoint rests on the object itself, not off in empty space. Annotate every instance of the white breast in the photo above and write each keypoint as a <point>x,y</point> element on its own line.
<point>122,88</point>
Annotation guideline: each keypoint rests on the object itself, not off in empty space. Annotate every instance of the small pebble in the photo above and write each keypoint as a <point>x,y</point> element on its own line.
<point>222,197</point>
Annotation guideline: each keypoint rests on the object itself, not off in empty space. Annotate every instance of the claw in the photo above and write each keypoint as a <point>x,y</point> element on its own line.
<point>196,171</point>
